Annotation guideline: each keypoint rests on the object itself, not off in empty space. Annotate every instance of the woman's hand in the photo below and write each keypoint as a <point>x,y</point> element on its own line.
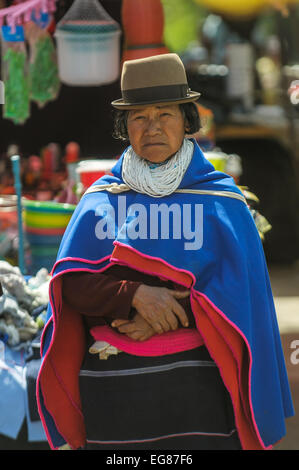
<point>158,307</point>
<point>137,328</point>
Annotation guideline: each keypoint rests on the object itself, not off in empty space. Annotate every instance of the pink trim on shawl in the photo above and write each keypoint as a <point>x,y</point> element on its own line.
<point>197,296</point>
<point>200,294</point>
<point>151,258</point>
<point>64,272</point>
<point>47,358</point>
<point>158,345</point>
<point>81,260</point>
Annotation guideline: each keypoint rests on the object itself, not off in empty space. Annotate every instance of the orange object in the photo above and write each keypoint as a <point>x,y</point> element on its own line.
<point>207,130</point>
<point>143,23</point>
<point>8,212</point>
<point>207,122</point>
<point>8,218</point>
<point>7,190</point>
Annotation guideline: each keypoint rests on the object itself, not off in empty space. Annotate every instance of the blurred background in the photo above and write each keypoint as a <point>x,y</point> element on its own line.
<point>243,57</point>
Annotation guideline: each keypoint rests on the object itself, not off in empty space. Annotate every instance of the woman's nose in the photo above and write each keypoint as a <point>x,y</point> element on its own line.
<point>153,127</point>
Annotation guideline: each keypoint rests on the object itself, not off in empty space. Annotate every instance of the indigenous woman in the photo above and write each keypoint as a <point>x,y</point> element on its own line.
<point>161,330</point>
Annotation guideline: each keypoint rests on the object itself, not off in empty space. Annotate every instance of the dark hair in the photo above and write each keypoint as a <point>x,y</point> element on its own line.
<point>189,111</point>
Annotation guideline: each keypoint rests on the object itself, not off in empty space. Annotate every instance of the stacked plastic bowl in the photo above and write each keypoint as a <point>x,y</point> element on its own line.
<point>44,226</point>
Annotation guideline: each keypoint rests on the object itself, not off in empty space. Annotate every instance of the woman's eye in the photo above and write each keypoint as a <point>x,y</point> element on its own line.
<point>139,118</point>
<point>165,114</point>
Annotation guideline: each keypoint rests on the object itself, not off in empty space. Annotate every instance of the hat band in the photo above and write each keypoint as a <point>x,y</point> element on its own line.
<point>155,93</point>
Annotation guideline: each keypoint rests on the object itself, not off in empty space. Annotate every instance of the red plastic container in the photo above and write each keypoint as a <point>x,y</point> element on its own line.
<point>91,170</point>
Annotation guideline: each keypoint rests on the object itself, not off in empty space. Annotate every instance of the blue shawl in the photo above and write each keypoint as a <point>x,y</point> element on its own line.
<point>213,249</point>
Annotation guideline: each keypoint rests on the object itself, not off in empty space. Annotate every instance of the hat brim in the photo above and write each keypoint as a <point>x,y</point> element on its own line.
<point>121,104</point>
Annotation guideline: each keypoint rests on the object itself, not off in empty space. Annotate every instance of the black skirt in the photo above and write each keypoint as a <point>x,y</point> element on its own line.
<point>173,402</point>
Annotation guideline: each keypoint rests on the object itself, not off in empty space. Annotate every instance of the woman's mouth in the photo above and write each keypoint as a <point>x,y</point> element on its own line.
<point>153,144</point>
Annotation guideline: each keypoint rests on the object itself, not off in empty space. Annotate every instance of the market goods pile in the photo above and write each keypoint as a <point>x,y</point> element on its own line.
<point>23,304</point>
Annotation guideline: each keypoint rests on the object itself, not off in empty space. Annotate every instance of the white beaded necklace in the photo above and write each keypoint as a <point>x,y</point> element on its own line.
<point>156,180</point>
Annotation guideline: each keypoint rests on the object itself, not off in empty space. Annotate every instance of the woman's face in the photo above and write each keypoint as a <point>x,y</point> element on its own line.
<point>156,132</point>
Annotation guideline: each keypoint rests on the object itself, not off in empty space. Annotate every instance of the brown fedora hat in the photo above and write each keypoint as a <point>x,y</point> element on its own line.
<point>154,80</point>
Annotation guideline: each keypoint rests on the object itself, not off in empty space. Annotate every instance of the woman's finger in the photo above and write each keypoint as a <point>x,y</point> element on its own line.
<point>157,327</point>
<point>119,322</point>
<point>180,313</point>
<point>163,320</point>
<point>152,318</point>
<point>179,294</point>
<point>128,328</point>
<point>172,320</point>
